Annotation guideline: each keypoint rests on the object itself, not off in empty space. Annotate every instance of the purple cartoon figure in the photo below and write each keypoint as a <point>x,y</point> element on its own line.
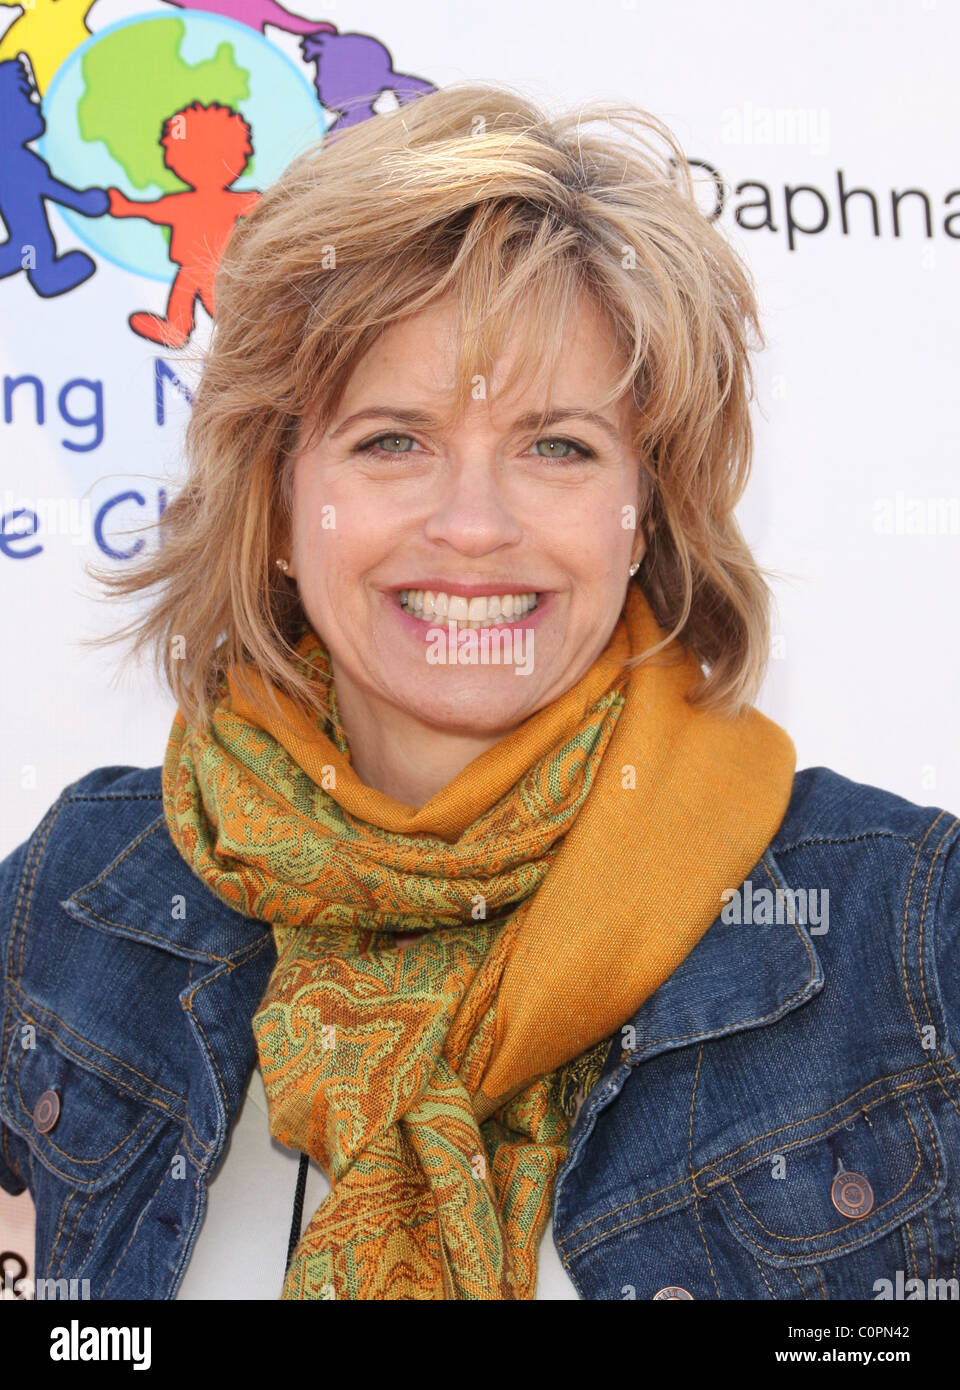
<point>352,71</point>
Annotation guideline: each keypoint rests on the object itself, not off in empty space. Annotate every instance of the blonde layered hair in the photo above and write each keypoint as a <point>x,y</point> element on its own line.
<point>471,190</point>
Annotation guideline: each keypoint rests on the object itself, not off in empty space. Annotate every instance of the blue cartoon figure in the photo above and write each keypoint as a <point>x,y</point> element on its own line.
<point>25,181</point>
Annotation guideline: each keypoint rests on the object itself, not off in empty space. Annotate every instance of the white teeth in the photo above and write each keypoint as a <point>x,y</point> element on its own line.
<point>480,611</point>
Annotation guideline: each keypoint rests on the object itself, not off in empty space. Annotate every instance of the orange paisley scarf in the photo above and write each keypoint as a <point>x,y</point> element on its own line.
<point>555,882</point>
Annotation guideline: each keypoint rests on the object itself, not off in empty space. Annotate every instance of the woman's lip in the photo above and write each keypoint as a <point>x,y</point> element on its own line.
<point>418,628</point>
<point>445,586</point>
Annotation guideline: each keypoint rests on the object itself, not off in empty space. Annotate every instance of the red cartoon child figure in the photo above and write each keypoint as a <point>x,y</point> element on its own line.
<point>208,148</point>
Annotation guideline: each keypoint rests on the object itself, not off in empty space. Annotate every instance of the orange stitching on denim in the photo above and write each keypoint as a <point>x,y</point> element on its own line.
<point>832,1129</point>
<point>907,1087</point>
<point>147,935</point>
<point>696,1204</point>
<point>103,1215</point>
<point>15,1078</point>
<point>189,1005</point>
<point>88,1042</point>
<point>817,1235</point>
<point>151,829</point>
<point>693,1101</point>
<point>213,1059</point>
<point>680,1182</point>
<point>764,1278</point>
<point>923,914</point>
<point>806,944</point>
<point>36,851</point>
<point>56,1234</point>
<point>91,1066</point>
<point>926,1227</point>
<point>956,1077</point>
<point>682,1201</point>
<point>930,1061</point>
<point>134,1231</point>
<point>83,1182</point>
<point>76,1226</point>
<point>953,1230</point>
<point>800,1282</point>
<point>833,1249</point>
<point>903,952</point>
<point>696,1209</point>
<point>816,1270</point>
<point>232,964</point>
<point>913,1253</point>
<point>906,914</point>
<point>257,946</point>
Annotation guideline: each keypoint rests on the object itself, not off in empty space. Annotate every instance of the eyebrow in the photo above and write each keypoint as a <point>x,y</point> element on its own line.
<point>419,420</point>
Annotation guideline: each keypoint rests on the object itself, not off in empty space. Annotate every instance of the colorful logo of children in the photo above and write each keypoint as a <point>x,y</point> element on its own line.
<point>157,106</point>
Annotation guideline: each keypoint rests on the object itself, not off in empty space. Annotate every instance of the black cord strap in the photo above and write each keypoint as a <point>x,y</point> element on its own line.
<point>296,1224</point>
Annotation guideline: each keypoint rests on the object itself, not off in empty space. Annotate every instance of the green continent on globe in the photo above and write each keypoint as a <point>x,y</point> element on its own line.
<point>135,78</point>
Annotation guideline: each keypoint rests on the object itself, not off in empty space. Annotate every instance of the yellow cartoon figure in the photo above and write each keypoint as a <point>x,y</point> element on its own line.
<point>47,31</point>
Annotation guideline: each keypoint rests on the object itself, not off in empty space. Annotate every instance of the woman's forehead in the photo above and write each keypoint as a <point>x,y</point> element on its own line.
<point>413,366</point>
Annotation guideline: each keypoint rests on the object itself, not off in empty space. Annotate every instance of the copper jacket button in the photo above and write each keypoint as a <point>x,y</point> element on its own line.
<point>673,1291</point>
<point>851,1194</point>
<point>46,1112</point>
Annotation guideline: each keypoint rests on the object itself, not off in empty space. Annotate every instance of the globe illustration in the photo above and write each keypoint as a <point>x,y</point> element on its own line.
<point>106,106</point>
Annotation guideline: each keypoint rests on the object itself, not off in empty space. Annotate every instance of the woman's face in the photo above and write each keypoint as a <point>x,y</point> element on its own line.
<point>479,508</point>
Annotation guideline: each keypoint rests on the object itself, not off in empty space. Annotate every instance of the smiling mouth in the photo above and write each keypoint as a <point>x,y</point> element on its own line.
<point>491,610</point>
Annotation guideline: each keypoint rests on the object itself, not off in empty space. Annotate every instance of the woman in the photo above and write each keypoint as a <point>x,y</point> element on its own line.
<point>469,856</point>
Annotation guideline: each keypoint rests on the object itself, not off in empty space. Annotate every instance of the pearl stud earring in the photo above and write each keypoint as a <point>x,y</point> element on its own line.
<point>634,567</point>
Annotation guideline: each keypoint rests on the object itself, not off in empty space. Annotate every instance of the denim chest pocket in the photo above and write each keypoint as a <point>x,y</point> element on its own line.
<point>835,1214</point>
<point>82,1126</point>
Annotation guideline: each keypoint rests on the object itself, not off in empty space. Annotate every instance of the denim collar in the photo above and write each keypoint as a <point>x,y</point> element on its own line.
<point>151,894</point>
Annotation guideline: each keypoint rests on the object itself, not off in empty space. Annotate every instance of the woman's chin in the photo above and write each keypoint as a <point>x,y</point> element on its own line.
<point>482,702</point>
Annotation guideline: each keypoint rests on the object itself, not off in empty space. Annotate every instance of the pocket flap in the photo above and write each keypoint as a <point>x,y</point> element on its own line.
<point>818,1200</point>
<point>77,1121</point>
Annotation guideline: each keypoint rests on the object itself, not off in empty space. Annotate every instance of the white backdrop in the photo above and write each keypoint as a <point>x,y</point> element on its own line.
<point>855,498</point>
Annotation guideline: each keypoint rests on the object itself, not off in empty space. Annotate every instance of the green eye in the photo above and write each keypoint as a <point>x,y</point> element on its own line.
<point>568,444</point>
<point>385,441</point>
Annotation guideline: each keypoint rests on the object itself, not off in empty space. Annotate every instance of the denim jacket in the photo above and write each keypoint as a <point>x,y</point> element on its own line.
<point>779,1120</point>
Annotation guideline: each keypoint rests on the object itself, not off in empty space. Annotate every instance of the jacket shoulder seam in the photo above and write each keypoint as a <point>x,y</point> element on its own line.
<point>116,796</point>
<point>917,846</point>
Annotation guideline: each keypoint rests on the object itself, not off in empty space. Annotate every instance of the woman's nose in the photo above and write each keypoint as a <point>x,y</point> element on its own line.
<point>472,513</point>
